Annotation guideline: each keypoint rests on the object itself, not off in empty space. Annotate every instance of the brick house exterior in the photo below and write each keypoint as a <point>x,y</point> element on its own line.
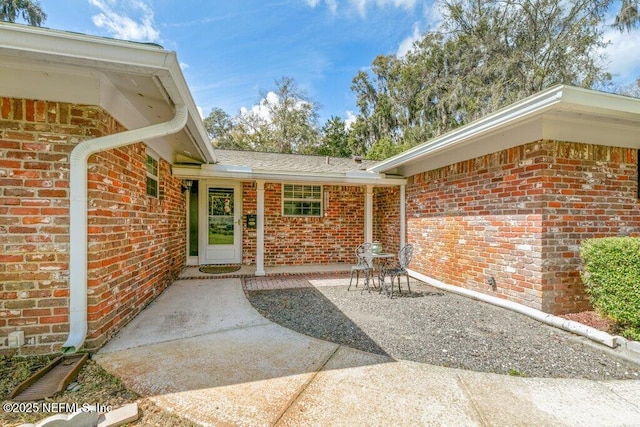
<point>136,242</point>
<point>86,245</point>
<point>493,204</point>
<point>52,104</point>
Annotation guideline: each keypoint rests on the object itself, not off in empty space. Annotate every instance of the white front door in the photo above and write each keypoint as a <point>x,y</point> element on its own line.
<point>220,222</point>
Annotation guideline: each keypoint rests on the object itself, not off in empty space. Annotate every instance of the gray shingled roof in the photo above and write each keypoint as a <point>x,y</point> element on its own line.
<point>274,162</point>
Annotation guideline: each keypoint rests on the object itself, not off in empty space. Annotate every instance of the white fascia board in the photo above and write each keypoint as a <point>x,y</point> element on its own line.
<point>227,168</point>
<point>240,173</point>
<point>491,123</point>
<point>606,104</point>
<point>81,49</point>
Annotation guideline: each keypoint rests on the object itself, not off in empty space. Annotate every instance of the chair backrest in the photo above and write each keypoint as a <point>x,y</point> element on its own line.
<point>361,251</point>
<point>405,254</point>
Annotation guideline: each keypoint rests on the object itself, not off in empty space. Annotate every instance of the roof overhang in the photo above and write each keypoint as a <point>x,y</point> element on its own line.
<point>249,174</point>
<point>138,84</point>
<point>561,113</point>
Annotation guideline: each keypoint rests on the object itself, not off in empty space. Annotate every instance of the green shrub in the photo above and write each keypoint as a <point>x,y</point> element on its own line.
<point>612,276</point>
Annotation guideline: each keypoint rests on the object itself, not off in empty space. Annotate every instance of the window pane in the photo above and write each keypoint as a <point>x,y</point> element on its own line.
<point>152,187</point>
<point>152,165</point>
<point>302,200</point>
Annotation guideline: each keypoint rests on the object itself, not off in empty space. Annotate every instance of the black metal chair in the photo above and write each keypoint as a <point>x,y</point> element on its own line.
<point>363,264</point>
<point>404,258</point>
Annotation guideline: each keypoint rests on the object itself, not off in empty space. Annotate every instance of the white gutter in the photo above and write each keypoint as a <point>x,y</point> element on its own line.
<point>548,319</point>
<point>240,172</point>
<point>78,222</point>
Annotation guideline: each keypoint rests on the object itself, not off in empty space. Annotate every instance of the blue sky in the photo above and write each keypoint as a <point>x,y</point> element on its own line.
<point>233,50</point>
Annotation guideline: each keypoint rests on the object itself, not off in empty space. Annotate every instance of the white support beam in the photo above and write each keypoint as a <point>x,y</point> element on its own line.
<point>368,214</point>
<point>260,229</point>
<point>403,212</point>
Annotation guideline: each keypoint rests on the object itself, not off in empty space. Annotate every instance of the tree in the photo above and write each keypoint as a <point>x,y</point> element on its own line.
<point>628,16</point>
<point>284,121</point>
<point>30,11</point>
<point>485,55</point>
<point>335,139</point>
<point>219,126</point>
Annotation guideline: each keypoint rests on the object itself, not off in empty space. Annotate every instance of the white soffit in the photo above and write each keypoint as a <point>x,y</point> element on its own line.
<point>25,79</point>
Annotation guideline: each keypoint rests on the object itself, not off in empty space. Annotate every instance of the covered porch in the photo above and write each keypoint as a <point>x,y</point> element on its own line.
<point>276,213</point>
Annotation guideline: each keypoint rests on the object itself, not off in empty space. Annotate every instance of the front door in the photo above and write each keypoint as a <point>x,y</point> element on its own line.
<point>220,222</point>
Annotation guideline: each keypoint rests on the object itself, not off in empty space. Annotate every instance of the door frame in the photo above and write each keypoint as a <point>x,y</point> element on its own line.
<point>203,225</point>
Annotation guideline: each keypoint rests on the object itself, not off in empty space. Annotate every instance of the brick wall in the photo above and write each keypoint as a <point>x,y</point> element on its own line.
<point>249,235</point>
<point>136,243</point>
<point>386,218</point>
<point>328,239</point>
<point>519,216</point>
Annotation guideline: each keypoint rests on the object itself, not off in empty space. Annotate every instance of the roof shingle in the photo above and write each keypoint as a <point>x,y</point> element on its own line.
<point>274,162</point>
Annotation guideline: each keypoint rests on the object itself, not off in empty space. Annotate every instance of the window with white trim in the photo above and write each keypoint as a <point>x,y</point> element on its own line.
<point>152,173</point>
<point>301,200</point>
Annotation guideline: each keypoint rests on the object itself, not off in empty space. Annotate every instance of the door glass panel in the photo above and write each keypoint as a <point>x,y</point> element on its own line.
<point>193,219</point>
<point>220,212</point>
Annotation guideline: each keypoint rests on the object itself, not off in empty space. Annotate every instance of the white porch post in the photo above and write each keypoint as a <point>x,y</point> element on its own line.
<point>368,214</point>
<point>403,219</point>
<point>260,229</point>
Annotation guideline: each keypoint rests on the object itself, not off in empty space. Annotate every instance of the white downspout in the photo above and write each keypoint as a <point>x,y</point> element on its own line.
<point>78,223</point>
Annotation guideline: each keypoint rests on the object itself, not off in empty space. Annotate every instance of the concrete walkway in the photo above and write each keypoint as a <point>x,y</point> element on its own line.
<point>202,351</point>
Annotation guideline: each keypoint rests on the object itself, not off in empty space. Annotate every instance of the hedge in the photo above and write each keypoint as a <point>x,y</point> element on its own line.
<point>611,272</point>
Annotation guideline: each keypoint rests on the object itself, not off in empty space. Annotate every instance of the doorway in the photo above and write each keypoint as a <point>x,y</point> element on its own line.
<point>220,214</point>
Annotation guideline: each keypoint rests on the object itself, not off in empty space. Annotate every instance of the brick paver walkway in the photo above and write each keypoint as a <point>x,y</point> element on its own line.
<point>266,283</point>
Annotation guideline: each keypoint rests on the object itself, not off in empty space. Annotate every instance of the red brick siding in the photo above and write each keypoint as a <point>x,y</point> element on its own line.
<point>137,243</point>
<point>249,235</point>
<point>324,240</point>
<point>519,215</point>
<point>386,218</point>
<point>593,192</point>
<point>36,138</point>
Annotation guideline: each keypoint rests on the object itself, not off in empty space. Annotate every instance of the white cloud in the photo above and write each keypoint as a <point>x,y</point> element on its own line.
<point>200,111</point>
<point>263,109</point>
<point>114,17</point>
<point>350,120</point>
<point>406,45</point>
<point>362,5</point>
<point>184,66</point>
<point>622,53</point>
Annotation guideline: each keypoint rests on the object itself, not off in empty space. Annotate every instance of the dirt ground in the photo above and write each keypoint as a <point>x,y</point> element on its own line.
<point>96,387</point>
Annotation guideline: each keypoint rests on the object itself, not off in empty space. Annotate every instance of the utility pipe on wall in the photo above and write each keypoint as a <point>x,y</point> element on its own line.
<point>549,319</point>
<point>78,222</point>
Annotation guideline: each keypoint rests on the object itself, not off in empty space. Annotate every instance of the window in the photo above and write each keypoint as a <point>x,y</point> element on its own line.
<point>152,174</point>
<point>301,200</point>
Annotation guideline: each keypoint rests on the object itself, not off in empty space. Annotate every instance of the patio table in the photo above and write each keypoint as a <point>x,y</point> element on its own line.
<point>378,260</point>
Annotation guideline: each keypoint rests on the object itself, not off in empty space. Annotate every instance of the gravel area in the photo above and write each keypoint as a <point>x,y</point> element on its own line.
<point>436,327</point>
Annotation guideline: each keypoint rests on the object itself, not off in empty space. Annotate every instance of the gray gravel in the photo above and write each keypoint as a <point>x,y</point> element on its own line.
<point>436,327</point>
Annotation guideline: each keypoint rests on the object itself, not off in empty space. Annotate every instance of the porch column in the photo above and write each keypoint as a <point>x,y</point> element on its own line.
<point>260,229</point>
<point>403,219</point>
<point>368,214</point>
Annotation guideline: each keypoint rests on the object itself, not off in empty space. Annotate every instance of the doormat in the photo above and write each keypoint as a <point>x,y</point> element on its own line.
<point>219,269</point>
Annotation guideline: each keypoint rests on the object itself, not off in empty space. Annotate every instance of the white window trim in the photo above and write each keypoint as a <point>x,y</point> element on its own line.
<point>156,157</point>
<point>320,199</point>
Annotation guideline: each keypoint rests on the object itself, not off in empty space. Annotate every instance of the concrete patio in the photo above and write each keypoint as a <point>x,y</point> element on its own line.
<point>202,351</point>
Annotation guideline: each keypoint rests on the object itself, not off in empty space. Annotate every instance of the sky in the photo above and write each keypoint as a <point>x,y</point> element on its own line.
<point>232,51</point>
